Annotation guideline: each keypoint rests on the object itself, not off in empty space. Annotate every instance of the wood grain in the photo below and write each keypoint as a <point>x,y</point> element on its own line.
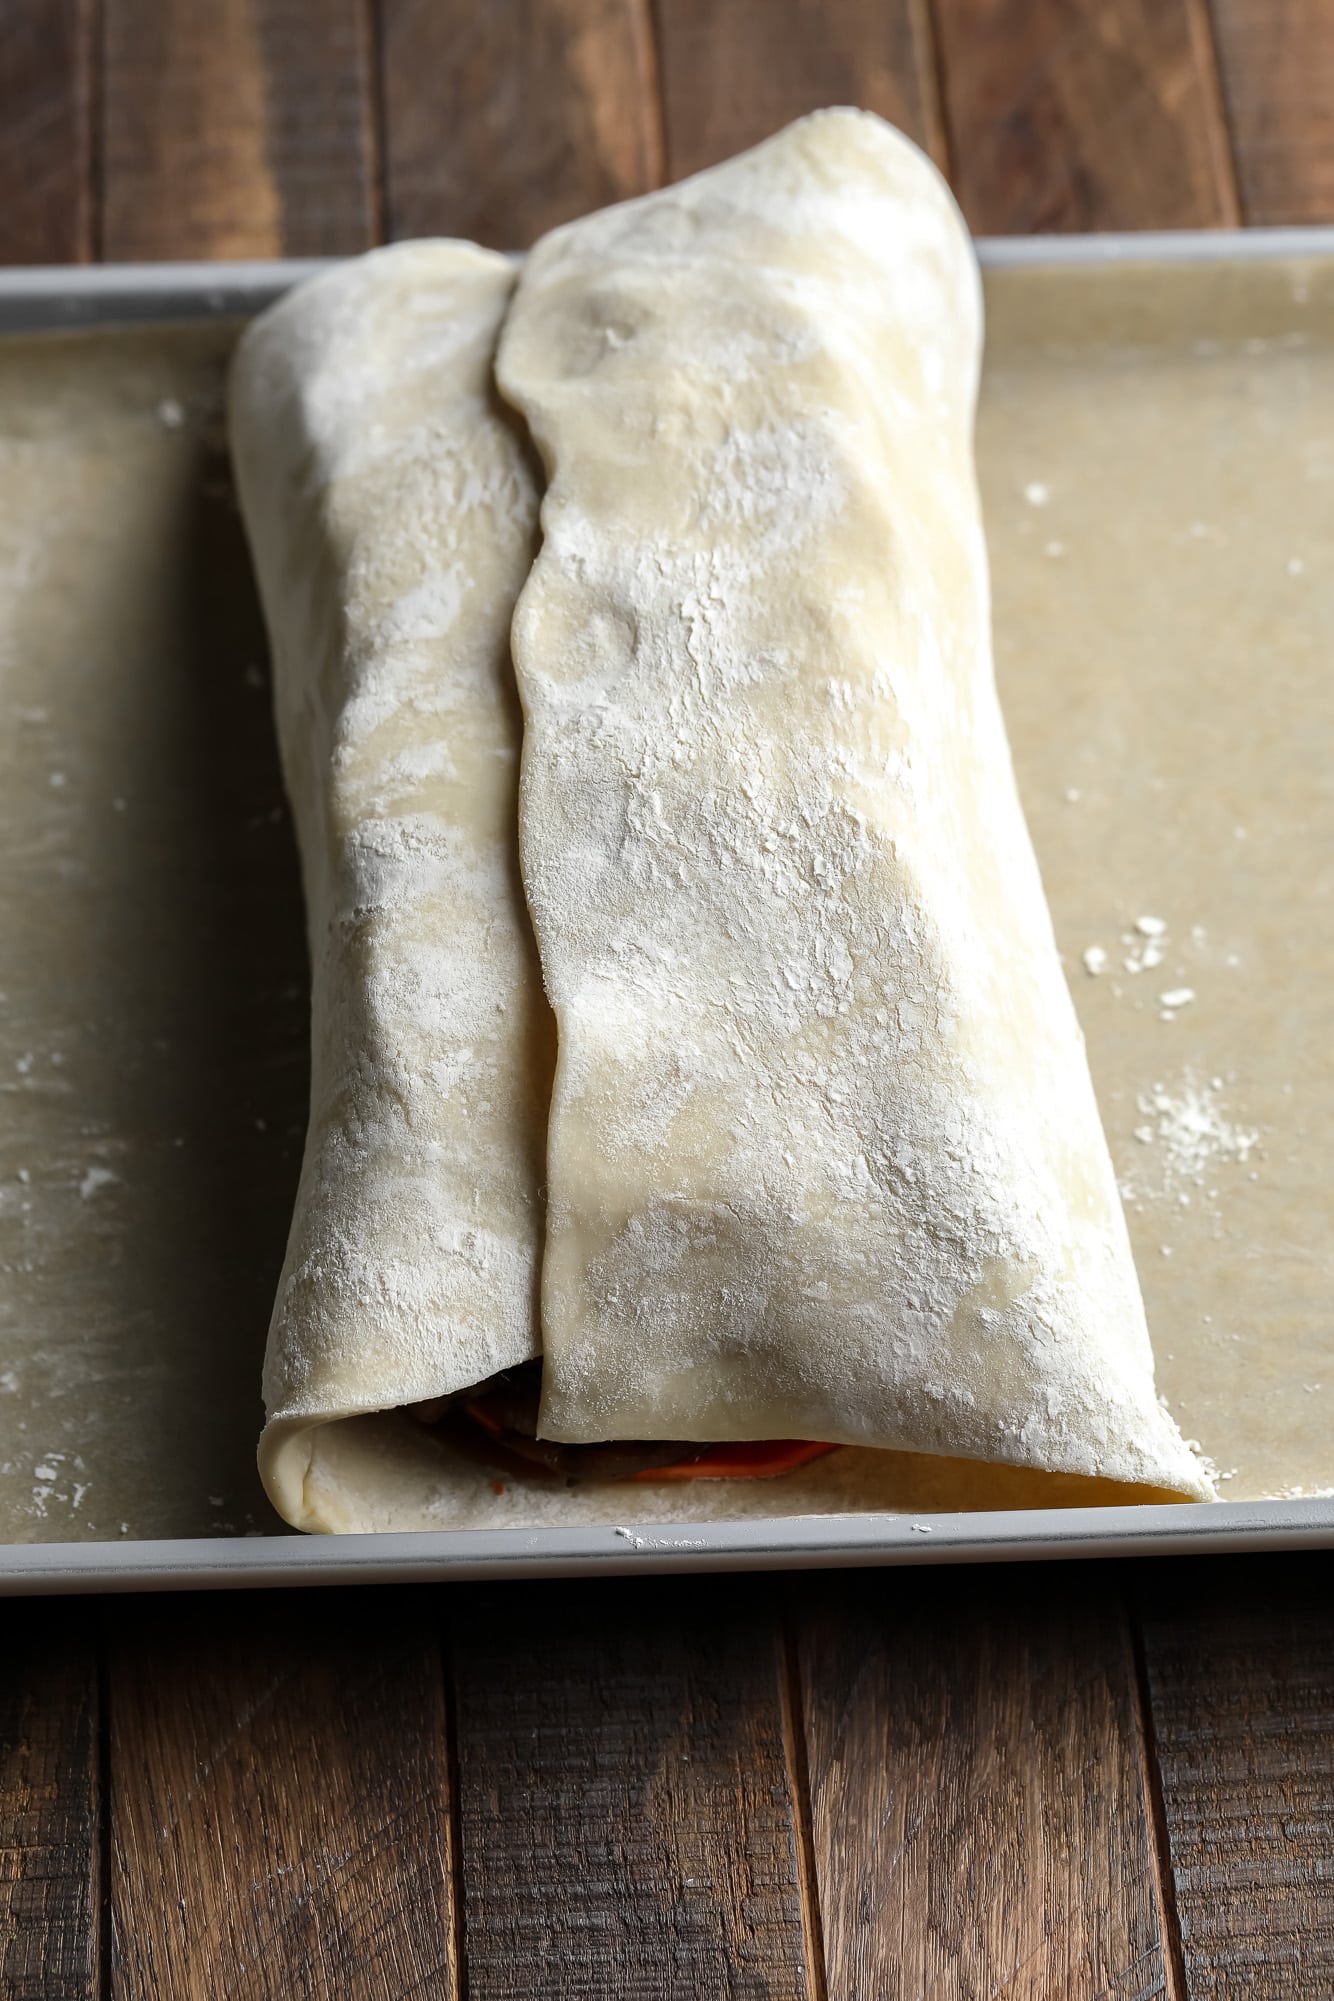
<point>1240,1670</point>
<point>626,1817</point>
<point>238,129</point>
<point>46,216</point>
<point>1277,62</point>
<point>977,1809</point>
<point>49,1848</point>
<point>733,71</point>
<point>1084,114</point>
<point>503,120</point>
<point>279,1800</point>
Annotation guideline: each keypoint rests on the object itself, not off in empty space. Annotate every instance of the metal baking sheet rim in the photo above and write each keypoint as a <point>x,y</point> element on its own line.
<point>56,297</point>
<point>47,298</point>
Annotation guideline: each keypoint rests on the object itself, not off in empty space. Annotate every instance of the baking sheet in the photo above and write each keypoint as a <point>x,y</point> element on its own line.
<point>1157,463</point>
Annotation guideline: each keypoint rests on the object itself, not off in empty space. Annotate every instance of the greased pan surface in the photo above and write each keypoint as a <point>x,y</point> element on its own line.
<point>1157,465</point>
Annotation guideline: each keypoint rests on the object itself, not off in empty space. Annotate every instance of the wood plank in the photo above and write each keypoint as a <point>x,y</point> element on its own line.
<point>1084,114</point>
<point>279,1799</point>
<point>1277,61</point>
<point>1240,1671</point>
<point>46,131</point>
<point>238,129</point>
<point>976,1799</point>
<point>49,1845</point>
<point>733,71</point>
<point>504,120</point>
<point>626,1816</point>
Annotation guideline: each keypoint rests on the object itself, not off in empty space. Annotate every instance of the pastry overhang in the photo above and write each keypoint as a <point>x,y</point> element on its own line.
<point>823,1157</point>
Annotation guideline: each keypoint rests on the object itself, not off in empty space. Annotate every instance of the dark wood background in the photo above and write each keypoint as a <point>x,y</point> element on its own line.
<point>1106,1783</point>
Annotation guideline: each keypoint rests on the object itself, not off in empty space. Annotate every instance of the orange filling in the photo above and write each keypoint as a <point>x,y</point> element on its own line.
<point>740,1459</point>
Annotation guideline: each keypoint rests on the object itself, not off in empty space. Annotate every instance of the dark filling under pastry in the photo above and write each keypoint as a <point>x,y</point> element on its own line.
<point>496,1422</point>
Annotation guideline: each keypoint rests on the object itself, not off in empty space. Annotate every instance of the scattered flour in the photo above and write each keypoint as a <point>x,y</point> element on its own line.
<point>1095,959</point>
<point>660,1542</point>
<point>1187,1127</point>
<point>95,1178</point>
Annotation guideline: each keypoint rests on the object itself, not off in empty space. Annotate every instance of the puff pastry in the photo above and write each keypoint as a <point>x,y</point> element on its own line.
<point>823,1156</point>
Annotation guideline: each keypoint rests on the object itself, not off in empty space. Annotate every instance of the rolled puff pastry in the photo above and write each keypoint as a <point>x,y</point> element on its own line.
<point>391,514</point>
<point>824,1156</point>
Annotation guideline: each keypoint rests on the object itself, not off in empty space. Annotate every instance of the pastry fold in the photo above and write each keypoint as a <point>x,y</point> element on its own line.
<point>824,1158</point>
<point>391,512</point>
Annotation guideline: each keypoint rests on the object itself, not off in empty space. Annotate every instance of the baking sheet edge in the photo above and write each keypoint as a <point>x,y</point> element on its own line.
<point>58,297</point>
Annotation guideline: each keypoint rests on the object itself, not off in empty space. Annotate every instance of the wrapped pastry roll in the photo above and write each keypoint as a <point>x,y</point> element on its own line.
<point>391,514</point>
<point>824,1157</point>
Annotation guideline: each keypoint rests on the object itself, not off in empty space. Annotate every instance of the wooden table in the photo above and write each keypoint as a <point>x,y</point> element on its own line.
<point>1099,1781</point>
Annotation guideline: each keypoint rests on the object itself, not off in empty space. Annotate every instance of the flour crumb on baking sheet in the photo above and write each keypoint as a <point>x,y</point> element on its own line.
<point>1147,942</point>
<point>95,1178</point>
<point>1095,959</point>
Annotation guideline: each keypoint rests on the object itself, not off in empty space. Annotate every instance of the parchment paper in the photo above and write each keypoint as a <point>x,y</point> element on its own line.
<point>1156,448</point>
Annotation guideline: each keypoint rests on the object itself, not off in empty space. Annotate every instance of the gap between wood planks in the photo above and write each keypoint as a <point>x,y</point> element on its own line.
<point>1169,1918</point>
<point>799,1779</point>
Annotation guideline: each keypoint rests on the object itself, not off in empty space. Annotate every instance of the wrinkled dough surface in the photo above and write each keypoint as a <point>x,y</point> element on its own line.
<point>824,1156</point>
<point>391,512</point>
